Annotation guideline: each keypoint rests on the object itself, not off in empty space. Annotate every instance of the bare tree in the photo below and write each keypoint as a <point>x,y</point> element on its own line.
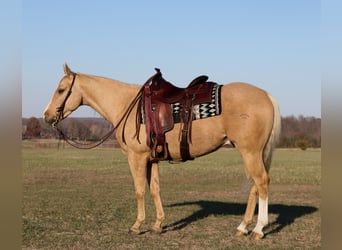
<point>33,128</point>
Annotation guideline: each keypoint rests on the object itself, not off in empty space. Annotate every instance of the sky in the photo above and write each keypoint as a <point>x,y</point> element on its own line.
<point>274,45</point>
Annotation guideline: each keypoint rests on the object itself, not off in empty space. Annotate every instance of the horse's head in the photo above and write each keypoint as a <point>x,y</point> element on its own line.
<point>65,99</point>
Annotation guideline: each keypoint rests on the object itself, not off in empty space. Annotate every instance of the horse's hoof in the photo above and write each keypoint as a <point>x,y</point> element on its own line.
<point>134,231</point>
<point>256,236</point>
<point>240,233</point>
<point>156,230</point>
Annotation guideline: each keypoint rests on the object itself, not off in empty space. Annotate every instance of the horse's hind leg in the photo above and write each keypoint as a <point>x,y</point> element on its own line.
<point>256,170</point>
<point>248,218</point>
<point>153,181</point>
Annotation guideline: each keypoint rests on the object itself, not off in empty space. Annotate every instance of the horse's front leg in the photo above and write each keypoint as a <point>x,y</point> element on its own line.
<point>153,181</point>
<point>138,168</point>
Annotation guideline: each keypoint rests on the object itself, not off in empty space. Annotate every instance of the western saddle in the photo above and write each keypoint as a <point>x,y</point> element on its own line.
<point>158,97</point>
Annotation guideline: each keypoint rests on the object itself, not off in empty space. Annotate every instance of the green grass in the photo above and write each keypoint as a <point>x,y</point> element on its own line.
<point>84,199</point>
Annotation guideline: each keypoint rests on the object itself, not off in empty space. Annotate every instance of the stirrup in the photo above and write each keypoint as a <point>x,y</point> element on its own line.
<point>159,152</point>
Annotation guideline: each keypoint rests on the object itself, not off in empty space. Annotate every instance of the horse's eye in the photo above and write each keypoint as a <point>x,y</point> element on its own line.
<point>60,91</point>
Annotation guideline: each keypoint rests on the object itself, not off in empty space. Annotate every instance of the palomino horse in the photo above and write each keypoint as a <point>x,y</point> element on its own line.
<point>250,120</point>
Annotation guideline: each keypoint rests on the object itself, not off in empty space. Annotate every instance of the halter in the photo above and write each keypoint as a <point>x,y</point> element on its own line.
<point>60,109</point>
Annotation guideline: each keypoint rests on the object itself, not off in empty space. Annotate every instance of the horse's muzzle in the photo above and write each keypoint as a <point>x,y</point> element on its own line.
<point>50,119</point>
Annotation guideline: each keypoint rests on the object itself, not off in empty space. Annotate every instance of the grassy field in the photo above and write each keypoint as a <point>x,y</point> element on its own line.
<point>84,199</point>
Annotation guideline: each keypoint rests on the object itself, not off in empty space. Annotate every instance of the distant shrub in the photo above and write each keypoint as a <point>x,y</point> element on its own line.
<point>303,144</point>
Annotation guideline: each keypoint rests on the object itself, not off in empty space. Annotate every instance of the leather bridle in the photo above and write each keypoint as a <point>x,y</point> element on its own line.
<point>69,140</point>
<point>60,109</point>
<point>60,115</point>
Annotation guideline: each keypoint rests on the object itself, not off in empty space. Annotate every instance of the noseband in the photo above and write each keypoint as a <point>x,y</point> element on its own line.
<point>60,109</point>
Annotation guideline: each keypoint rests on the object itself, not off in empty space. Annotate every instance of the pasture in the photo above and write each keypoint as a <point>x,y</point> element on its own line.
<point>84,199</point>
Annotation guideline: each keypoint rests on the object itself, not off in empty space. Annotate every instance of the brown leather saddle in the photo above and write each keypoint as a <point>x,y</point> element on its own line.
<point>158,97</point>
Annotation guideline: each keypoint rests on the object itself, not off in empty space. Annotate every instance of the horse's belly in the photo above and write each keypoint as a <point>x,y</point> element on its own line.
<point>207,135</point>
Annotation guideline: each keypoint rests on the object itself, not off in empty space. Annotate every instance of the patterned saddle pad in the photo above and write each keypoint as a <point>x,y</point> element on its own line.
<point>201,111</point>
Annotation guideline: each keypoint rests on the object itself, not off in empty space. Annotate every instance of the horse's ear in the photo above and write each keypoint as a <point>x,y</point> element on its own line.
<point>67,70</point>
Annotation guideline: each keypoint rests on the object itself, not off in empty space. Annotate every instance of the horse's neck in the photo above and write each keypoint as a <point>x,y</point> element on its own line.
<point>108,97</point>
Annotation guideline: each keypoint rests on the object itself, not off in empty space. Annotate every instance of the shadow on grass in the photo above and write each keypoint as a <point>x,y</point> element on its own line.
<point>287,214</point>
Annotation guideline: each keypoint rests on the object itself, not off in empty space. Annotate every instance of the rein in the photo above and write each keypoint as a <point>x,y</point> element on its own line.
<point>91,145</point>
<point>80,145</point>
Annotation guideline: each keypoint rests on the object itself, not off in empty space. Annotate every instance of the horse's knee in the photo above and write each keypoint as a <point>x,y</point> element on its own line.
<point>139,194</point>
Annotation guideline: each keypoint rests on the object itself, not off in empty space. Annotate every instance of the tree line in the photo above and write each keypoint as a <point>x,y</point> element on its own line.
<point>83,129</point>
<point>300,132</point>
<point>297,131</point>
